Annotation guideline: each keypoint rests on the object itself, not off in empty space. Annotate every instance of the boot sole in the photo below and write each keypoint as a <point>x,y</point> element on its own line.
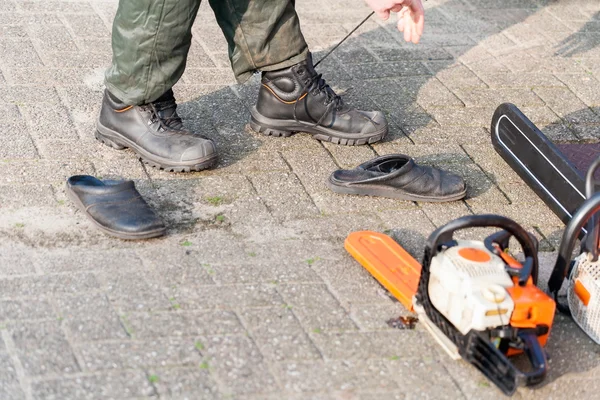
<point>285,128</point>
<point>119,142</point>
<point>392,194</point>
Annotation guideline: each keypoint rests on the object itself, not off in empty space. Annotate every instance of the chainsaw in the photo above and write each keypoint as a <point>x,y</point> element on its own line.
<point>583,273</point>
<point>478,302</point>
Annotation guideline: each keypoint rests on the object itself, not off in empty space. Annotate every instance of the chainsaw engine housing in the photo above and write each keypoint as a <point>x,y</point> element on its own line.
<point>468,286</point>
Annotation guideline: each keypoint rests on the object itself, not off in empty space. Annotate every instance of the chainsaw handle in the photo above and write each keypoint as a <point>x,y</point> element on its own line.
<point>537,357</point>
<point>590,207</point>
<point>528,268</point>
<point>592,239</point>
<point>444,235</point>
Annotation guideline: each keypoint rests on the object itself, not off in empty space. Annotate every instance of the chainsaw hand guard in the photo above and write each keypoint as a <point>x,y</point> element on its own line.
<point>590,207</point>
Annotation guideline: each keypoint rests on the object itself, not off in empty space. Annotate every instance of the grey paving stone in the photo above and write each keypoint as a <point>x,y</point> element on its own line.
<point>347,157</point>
<point>19,52</point>
<point>334,375</point>
<point>185,383</point>
<point>332,227</point>
<point>17,196</point>
<point>9,374</point>
<point>122,384</point>
<point>88,25</point>
<point>226,296</point>
<point>52,38</point>
<point>332,204</point>
<point>440,214</point>
<point>433,134</point>
<point>345,271</point>
<point>278,334</point>
<point>380,345</point>
<point>130,291</point>
<point>48,284</point>
<point>584,86</point>
<point>457,77</point>
<point>12,310</point>
<point>11,391</point>
<point>14,144</point>
<point>176,267</point>
<point>283,193</point>
<point>43,348</point>
<point>350,294</point>
<point>10,388</point>
<point>98,356</point>
<point>186,323</point>
<point>316,308</point>
<point>472,116</point>
<point>427,375</point>
<point>371,317</point>
<point>208,247</point>
<point>493,97</point>
<point>61,260</point>
<point>89,317</point>
<point>76,59</point>
<point>237,362</point>
<point>311,168</point>
<point>33,172</point>
<point>410,228</point>
<point>383,70</point>
<point>564,103</point>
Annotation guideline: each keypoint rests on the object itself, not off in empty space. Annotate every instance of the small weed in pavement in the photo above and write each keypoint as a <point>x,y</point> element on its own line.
<point>215,201</point>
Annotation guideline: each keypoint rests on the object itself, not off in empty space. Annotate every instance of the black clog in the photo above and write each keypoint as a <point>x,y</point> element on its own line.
<point>115,207</point>
<point>398,176</point>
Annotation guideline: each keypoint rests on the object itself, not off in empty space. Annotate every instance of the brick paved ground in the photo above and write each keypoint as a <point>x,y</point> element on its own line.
<point>251,295</point>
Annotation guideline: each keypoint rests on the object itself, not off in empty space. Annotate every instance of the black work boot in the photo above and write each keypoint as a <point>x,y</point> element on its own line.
<point>297,99</point>
<point>155,133</point>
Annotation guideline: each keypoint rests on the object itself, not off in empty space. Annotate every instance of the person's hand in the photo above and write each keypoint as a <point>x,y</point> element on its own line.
<point>411,16</point>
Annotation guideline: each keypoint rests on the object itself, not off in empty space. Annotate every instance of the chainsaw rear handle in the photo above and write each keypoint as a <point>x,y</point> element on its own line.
<point>590,207</point>
<point>502,238</point>
<point>444,236</point>
<point>537,357</point>
<point>593,230</point>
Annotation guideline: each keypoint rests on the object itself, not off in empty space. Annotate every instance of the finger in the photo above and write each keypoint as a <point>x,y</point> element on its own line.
<point>419,18</point>
<point>396,8</point>
<point>384,14</point>
<point>407,27</point>
<point>415,35</point>
<point>401,24</point>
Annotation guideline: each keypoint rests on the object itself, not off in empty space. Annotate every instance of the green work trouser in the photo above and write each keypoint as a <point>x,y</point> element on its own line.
<point>151,40</point>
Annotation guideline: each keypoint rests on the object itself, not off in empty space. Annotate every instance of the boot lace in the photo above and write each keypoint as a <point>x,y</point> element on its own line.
<point>166,111</point>
<point>316,85</point>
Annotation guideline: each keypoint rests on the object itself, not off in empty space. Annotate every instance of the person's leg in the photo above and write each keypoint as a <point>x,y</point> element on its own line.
<point>262,35</point>
<point>150,42</point>
<point>265,36</point>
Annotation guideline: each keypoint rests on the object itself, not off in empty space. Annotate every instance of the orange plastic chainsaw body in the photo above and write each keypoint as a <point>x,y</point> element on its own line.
<point>388,262</point>
<point>533,307</point>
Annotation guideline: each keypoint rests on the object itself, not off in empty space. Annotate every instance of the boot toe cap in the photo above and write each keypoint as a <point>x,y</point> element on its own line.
<point>377,122</point>
<point>202,150</point>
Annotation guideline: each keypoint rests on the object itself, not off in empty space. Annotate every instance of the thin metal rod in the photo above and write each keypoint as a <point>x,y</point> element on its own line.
<point>344,39</point>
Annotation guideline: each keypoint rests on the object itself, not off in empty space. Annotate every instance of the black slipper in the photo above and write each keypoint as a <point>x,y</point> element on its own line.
<point>397,176</point>
<point>117,208</point>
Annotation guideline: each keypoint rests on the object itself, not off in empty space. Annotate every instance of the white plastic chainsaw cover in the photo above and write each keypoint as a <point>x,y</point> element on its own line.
<point>587,272</point>
<point>471,294</point>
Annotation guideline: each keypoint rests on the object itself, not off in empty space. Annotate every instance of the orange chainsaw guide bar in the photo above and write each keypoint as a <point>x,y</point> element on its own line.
<point>388,262</point>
